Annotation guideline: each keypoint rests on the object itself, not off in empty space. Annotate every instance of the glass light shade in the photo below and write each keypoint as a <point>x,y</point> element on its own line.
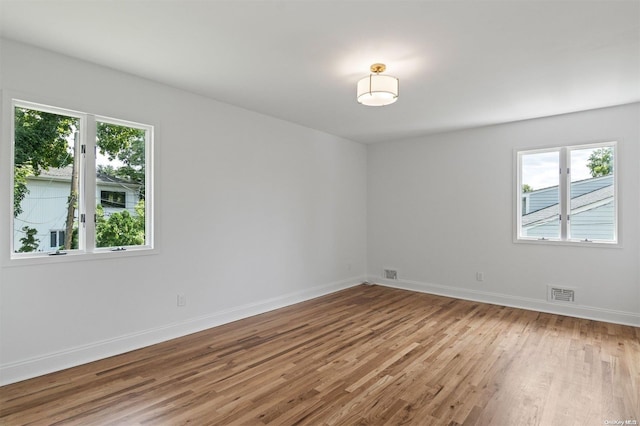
<point>378,90</point>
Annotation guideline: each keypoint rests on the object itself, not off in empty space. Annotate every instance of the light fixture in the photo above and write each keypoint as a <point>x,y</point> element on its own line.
<point>378,90</point>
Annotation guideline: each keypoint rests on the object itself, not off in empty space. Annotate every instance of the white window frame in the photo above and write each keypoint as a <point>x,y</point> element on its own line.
<point>87,195</point>
<point>564,185</point>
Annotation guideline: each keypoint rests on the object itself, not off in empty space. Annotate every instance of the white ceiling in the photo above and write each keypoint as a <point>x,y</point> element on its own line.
<point>460,63</point>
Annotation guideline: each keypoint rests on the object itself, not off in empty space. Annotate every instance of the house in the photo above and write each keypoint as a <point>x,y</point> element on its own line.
<point>592,210</point>
<point>45,204</point>
<point>273,186</point>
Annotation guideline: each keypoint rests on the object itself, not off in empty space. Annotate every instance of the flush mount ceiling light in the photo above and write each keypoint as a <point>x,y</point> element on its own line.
<point>378,90</point>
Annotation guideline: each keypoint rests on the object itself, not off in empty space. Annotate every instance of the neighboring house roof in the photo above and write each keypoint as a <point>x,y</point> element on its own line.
<point>64,175</point>
<point>586,201</point>
<point>546,197</point>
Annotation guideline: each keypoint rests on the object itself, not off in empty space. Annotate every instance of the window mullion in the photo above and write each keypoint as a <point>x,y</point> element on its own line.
<point>565,202</point>
<point>89,180</point>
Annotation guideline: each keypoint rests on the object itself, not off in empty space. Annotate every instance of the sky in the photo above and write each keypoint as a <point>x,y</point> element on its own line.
<point>540,170</point>
<point>101,160</point>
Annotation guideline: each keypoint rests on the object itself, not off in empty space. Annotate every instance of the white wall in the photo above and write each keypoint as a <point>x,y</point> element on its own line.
<point>440,209</point>
<point>252,212</point>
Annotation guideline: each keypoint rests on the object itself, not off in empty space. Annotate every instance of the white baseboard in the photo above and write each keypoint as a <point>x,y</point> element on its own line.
<point>578,311</point>
<point>48,363</point>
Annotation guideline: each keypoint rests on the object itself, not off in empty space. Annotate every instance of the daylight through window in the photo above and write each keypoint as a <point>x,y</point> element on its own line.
<point>60,187</point>
<point>568,194</point>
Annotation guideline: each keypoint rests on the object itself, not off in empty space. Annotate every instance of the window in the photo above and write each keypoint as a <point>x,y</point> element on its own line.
<point>113,199</point>
<point>58,188</point>
<point>56,239</point>
<point>568,194</point>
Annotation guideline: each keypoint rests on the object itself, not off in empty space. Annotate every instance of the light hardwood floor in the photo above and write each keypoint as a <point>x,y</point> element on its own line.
<point>366,355</point>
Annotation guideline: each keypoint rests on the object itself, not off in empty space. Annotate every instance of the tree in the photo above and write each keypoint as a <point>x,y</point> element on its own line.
<point>601,162</point>
<point>526,188</point>
<point>41,142</point>
<point>107,170</point>
<point>41,139</point>
<point>121,228</point>
<point>20,190</point>
<point>126,144</point>
<point>72,200</point>
<point>29,241</point>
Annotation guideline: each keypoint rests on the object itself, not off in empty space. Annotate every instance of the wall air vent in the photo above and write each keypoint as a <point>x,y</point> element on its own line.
<point>390,274</point>
<point>561,294</point>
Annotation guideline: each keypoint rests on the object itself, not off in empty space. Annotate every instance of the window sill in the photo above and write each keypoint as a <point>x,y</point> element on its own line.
<point>45,258</point>
<point>569,243</point>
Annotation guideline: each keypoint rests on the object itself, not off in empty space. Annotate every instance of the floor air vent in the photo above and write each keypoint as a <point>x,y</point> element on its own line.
<point>391,274</point>
<point>559,294</point>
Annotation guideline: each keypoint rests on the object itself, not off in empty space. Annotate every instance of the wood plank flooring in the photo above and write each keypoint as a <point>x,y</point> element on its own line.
<point>366,355</point>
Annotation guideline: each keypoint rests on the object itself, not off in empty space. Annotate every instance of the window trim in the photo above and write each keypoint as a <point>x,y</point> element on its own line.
<point>564,185</point>
<point>87,248</point>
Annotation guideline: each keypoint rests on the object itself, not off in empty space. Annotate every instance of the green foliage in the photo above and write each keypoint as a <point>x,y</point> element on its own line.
<point>601,162</point>
<point>29,241</point>
<point>41,139</point>
<point>127,145</point>
<point>121,228</point>
<point>20,189</point>
<point>40,143</point>
<point>74,238</point>
<point>526,188</point>
<point>107,171</point>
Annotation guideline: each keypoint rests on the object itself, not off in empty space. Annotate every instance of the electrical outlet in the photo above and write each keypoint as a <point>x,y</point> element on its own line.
<point>182,300</point>
<point>480,276</point>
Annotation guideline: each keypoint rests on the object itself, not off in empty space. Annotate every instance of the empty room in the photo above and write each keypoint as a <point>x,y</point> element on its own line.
<point>319,212</point>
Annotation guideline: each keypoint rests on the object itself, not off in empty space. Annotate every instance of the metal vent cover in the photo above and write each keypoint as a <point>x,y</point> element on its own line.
<point>561,294</point>
<point>390,274</point>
